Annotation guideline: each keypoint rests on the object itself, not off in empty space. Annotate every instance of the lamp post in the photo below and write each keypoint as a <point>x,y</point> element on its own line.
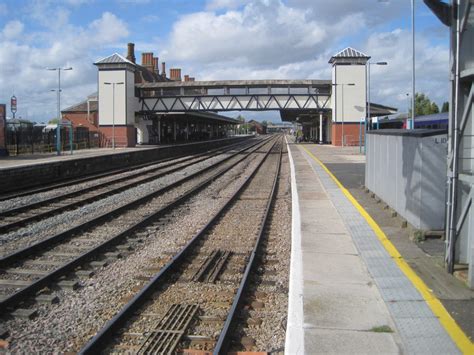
<point>58,128</point>
<point>113,109</point>
<point>342,116</point>
<point>412,124</point>
<point>368,91</point>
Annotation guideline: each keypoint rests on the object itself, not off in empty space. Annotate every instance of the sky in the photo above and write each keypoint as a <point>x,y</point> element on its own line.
<point>215,40</point>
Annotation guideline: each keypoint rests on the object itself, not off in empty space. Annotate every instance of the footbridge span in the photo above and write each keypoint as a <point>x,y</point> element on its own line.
<point>231,95</point>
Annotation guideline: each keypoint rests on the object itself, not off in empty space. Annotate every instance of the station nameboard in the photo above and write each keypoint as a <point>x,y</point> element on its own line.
<point>13,104</point>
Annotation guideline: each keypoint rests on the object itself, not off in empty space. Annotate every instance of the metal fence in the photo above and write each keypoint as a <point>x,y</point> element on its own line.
<point>30,139</point>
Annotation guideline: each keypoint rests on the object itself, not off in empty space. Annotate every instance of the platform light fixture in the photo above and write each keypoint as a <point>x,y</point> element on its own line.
<point>342,116</point>
<point>368,90</point>
<point>113,109</point>
<point>58,90</point>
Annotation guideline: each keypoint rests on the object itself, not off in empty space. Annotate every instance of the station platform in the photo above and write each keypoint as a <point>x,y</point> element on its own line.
<point>28,171</point>
<point>351,291</point>
<point>44,158</point>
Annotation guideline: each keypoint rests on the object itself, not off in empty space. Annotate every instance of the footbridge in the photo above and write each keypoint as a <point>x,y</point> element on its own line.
<point>303,96</point>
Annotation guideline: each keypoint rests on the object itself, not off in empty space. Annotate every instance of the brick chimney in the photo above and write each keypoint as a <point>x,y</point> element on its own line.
<point>131,52</point>
<point>191,78</point>
<point>147,60</point>
<point>186,77</point>
<point>155,66</point>
<point>163,70</point>
<point>175,74</point>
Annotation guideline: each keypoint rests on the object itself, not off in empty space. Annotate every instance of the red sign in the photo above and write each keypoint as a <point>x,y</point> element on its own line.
<point>13,104</point>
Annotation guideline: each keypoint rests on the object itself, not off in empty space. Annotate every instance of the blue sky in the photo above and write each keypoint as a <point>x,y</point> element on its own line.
<point>215,39</point>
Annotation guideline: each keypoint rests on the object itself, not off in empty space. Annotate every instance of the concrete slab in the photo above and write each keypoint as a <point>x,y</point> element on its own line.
<point>330,244</point>
<point>352,307</point>
<point>334,269</point>
<point>327,341</point>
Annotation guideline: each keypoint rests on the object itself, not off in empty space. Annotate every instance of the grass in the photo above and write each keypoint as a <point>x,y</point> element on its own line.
<point>382,329</point>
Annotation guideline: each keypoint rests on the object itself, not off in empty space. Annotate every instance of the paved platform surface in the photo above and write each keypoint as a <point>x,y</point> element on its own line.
<point>426,257</point>
<point>347,294</point>
<point>41,158</point>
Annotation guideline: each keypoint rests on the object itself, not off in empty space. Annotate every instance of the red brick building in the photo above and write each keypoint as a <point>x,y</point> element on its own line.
<point>86,113</point>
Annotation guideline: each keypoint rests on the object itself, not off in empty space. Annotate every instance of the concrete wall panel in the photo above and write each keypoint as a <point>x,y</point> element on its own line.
<point>409,174</point>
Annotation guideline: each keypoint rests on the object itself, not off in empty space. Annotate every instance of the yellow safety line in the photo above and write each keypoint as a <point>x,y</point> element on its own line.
<point>452,328</point>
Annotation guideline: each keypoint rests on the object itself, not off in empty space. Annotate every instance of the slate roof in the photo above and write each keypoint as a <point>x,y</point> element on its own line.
<point>82,107</point>
<point>349,52</point>
<point>114,59</point>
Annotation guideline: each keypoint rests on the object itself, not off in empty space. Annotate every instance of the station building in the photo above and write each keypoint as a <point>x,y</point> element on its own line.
<point>138,103</point>
<point>112,110</point>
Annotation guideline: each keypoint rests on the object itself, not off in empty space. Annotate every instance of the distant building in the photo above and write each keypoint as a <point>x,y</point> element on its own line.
<point>257,127</point>
<point>84,114</point>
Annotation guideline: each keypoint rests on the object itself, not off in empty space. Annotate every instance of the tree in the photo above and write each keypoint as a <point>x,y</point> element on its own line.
<point>434,108</point>
<point>264,123</point>
<point>53,121</point>
<point>445,107</point>
<point>424,106</point>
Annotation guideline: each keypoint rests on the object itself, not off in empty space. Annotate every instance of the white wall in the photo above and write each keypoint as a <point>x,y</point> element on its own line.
<point>354,98</point>
<point>409,174</point>
<point>106,97</point>
<point>132,101</point>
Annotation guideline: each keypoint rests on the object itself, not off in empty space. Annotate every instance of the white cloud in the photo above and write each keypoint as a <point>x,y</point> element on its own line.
<point>391,83</point>
<point>12,29</point>
<point>262,34</point>
<point>225,4</point>
<point>23,61</point>
<point>372,11</point>
<point>108,28</point>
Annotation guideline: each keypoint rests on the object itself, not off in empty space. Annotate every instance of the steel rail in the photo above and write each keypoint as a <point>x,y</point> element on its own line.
<point>73,181</point>
<point>154,175</point>
<point>223,341</point>
<point>13,257</point>
<point>37,285</point>
<point>100,340</point>
<point>177,160</point>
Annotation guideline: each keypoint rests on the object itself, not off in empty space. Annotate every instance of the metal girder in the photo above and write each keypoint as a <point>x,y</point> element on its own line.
<point>460,187</point>
<point>251,102</point>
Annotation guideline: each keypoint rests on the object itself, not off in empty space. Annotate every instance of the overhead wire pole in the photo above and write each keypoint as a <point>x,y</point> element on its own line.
<point>412,125</point>
<point>58,128</point>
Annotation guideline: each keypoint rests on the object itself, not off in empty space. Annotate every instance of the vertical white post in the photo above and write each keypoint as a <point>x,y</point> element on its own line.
<point>368,93</point>
<point>113,115</point>
<point>342,123</point>
<point>320,128</point>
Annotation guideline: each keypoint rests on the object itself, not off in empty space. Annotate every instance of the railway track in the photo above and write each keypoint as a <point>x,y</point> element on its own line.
<point>45,208</point>
<point>75,181</point>
<point>193,300</point>
<point>27,271</point>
